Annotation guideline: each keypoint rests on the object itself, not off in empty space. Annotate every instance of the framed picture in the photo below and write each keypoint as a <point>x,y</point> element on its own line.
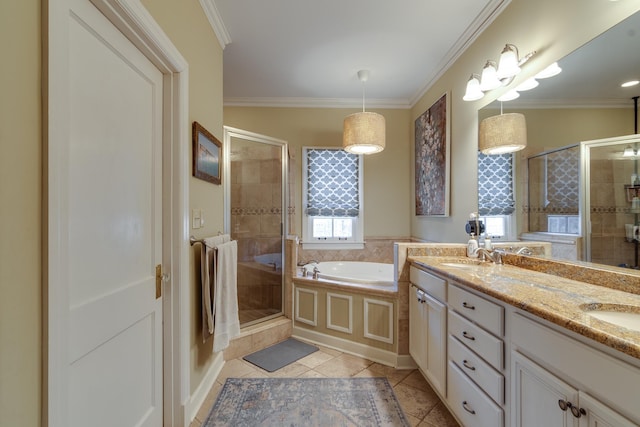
<point>207,154</point>
<point>432,168</point>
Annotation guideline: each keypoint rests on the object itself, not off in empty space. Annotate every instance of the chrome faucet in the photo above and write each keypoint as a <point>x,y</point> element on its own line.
<point>524,251</point>
<point>315,272</point>
<point>303,263</point>
<point>494,256</point>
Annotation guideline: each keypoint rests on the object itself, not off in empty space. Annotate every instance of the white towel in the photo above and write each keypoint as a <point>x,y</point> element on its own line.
<point>227,323</point>
<point>208,273</point>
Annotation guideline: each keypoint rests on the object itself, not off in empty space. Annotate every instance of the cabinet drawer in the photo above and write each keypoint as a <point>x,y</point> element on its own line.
<point>477,339</point>
<point>490,380</point>
<point>433,285</point>
<point>471,405</point>
<point>485,313</point>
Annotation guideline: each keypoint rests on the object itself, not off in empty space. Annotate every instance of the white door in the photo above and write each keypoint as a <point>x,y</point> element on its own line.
<point>114,227</point>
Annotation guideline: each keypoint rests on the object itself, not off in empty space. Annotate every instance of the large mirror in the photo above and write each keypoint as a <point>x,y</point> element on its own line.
<point>584,102</point>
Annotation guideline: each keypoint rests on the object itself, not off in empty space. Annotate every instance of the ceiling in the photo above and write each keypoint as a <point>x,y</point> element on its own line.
<point>308,53</point>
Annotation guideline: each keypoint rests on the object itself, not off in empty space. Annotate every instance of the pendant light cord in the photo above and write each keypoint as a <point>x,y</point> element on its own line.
<point>363,96</point>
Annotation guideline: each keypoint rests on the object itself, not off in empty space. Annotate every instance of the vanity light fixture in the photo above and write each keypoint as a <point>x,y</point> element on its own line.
<point>473,92</point>
<point>494,76</point>
<point>527,85</point>
<point>630,83</point>
<point>363,132</point>
<point>552,70</point>
<point>629,152</point>
<point>489,79</point>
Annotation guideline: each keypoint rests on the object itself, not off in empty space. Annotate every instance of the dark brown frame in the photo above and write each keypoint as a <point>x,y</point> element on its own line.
<point>199,158</point>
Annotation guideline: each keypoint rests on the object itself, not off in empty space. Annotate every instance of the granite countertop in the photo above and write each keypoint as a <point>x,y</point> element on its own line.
<point>560,300</point>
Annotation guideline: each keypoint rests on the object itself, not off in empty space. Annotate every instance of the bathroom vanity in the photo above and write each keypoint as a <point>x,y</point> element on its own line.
<point>530,342</point>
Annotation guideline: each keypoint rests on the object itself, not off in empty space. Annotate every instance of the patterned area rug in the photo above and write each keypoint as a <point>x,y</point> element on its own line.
<point>330,402</point>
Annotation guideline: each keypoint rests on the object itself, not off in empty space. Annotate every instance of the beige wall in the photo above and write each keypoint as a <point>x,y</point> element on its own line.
<point>188,28</point>
<point>20,214</point>
<point>386,175</point>
<point>552,28</point>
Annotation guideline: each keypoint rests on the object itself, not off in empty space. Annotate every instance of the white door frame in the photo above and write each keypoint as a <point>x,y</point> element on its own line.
<point>135,22</point>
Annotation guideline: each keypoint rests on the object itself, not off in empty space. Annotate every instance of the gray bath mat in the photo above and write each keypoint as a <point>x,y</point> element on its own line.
<point>278,355</point>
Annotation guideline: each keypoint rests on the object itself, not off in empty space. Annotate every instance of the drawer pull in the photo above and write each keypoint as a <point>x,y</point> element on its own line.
<point>467,336</point>
<point>466,408</point>
<point>468,365</point>
<point>469,306</point>
<point>563,404</point>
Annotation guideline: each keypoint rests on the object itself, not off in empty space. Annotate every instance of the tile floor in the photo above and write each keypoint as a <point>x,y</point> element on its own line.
<point>420,403</point>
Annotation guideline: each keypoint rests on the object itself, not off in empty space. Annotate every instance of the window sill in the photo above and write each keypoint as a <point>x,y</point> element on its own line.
<point>332,245</point>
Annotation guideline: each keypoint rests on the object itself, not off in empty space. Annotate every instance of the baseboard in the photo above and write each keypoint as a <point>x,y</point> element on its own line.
<point>384,357</point>
<point>200,394</point>
<point>405,361</point>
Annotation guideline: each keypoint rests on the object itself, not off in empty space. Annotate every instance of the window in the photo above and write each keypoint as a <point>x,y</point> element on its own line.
<point>496,204</point>
<point>332,199</point>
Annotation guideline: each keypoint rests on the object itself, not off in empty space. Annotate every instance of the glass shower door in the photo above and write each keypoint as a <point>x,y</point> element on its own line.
<point>611,201</point>
<point>255,216</point>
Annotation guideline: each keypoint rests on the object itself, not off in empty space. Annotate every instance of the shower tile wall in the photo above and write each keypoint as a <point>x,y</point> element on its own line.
<point>610,211</point>
<point>256,192</point>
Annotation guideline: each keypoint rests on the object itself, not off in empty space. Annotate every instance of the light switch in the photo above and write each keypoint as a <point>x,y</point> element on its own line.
<point>196,218</point>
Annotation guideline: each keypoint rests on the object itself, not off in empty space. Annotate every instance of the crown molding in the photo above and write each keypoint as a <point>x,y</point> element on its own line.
<point>215,20</point>
<point>538,104</point>
<point>316,103</point>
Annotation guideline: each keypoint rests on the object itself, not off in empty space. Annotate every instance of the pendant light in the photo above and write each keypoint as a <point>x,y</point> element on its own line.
<point>502,134</point>
<point>363,132</point>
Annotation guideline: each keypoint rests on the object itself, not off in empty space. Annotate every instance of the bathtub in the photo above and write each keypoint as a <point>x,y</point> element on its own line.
<point>374,273</point>
<point>273,260</point>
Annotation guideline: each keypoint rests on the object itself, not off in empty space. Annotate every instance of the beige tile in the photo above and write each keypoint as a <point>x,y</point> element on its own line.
<point>330,351</point>
<point>416,380</point>
<point>206,406</point>
<point>394,376</point>
<point>439,417</point>
<point>235,368</point>
<point>415,402</point>
<point>344,365</point>
<point>195,423</point>
<point>315,359</point>
<point>238,347</point>
<point>292,370</point>
<point>412,420</point>
<point>312,374</point>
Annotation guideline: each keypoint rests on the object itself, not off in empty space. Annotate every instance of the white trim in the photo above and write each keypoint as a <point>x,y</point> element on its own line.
<point>200,394</point>
<point>385,357</point>
<point>215,20</point>
<point>300,102</point>
<point>135,22</point>
<point>313,322</point>
<point>367,334</point>
<point>349,329</point>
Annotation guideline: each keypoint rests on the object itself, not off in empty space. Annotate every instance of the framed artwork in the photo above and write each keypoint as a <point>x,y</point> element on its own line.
<point>432,169</point>
<point>207,154</point>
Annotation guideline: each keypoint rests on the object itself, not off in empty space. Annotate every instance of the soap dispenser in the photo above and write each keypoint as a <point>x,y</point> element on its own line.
<point>472,247</point>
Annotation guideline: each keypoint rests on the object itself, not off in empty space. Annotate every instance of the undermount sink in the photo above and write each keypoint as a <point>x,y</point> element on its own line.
<point>467,264</point>
<point>620,315</point>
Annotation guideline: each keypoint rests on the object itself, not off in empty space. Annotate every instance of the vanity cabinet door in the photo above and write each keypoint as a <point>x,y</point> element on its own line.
<point>427,337</point>
<point>436,344</point>
<point>418,328</point>
<point>539,396</point>
<point>597,414</point>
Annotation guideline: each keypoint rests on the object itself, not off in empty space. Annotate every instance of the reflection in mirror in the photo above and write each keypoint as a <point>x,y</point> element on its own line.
<point>553,191</point>
<point>611,201</point>
<point>585,102</point>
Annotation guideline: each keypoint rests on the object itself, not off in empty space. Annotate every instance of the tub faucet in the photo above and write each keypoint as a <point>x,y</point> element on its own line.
<point>315,272</point>
<point>493,256</point>
<point>303,263</point>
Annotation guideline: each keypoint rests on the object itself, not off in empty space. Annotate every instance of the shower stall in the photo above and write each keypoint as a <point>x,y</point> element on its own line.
<point>255,195</point>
